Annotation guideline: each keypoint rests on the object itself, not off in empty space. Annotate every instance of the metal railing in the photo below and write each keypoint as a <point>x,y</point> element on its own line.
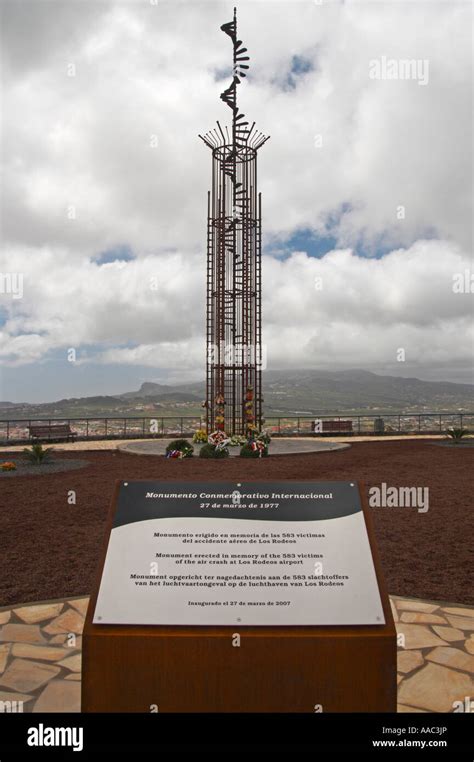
<point>116,427</point>
<point>120,427</point>
<point>365,424</point>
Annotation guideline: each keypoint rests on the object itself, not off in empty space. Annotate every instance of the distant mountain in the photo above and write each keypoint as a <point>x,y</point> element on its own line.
<point>328,391</point>
<point>98,400</point>
<point>147,389</point>
<point>304,392</point>
<point>320,391</point>
<point>150,391</point>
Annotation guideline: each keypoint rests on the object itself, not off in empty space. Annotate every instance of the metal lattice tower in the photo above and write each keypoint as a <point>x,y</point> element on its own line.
<point>234,284</point>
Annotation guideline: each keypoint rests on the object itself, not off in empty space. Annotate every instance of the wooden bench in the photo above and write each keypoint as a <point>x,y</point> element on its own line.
<point>52,431</point>
<point>333,427</point>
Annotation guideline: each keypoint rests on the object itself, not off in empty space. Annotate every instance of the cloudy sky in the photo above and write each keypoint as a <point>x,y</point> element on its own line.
<point>366,186</point>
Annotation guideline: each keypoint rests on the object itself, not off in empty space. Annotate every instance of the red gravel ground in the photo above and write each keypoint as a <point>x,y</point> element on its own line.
<point>49,549</point>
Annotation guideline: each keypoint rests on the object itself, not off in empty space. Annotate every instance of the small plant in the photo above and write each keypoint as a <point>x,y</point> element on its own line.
<point>200,436</point>
<point>37,454</point>
<point>254,449</point>
<point>236,440</point>
<point>179,448</point>
<point>8,466</point>
<point>457,434</point>
<point>213,451</point>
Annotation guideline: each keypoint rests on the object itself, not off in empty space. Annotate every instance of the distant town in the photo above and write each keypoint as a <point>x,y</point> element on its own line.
<point>292,399</point>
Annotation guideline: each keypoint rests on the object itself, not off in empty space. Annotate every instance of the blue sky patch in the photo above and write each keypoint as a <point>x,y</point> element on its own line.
<point>120,253</point>
<point>224,73</point>
<point>299,66</point>
<point>304,239</point>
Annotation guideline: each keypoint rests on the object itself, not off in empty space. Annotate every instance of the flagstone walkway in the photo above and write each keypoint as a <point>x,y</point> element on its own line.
<point>40,656</point>
<point>116,444</point>
<point>280,446</point>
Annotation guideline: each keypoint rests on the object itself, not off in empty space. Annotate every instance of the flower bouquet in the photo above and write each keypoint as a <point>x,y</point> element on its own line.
<point>217,446</point>
<point>200,436</point>
<point>179,448</point>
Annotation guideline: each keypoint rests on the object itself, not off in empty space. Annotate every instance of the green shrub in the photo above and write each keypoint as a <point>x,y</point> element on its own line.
<point>211,451</point>
<point>37,454</point>
<point>180,445</point>
<point>457,434</point>
<point>248,452</point>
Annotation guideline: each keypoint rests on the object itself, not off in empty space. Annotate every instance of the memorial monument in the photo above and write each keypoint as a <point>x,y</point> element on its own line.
<point>234,280</point>
<point>235,596</point>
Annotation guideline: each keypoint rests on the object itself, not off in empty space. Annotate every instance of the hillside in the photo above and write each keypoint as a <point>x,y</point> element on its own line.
<point>303,392</point>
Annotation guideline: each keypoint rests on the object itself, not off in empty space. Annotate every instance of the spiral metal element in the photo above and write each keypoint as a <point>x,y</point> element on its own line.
<point>242,134</point>
<point>233,310</point>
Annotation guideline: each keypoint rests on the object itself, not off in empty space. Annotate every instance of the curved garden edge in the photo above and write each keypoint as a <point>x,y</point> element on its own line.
<point>23,468</point>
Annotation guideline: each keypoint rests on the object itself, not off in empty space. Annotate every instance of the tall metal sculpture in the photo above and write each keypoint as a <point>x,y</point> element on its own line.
<point>234,283</point>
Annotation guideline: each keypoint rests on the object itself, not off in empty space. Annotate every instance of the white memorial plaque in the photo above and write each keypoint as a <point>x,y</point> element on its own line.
<point>227,553</point>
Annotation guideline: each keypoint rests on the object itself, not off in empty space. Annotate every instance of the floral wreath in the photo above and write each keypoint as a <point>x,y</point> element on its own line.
<point>258,446</point>
<point>219,439</point>
<point>179,453</point>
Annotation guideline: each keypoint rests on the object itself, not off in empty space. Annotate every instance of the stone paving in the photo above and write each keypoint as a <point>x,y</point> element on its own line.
<point>278,446</point>
<point>115,444</point>
<point>40,656</point>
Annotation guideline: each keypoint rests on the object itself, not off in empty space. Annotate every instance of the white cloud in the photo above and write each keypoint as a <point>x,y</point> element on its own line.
<point>341,309</point>
<point>143,70</point>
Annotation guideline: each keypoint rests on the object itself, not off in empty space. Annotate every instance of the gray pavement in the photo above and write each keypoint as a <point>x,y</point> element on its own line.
<point>278,446</point>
